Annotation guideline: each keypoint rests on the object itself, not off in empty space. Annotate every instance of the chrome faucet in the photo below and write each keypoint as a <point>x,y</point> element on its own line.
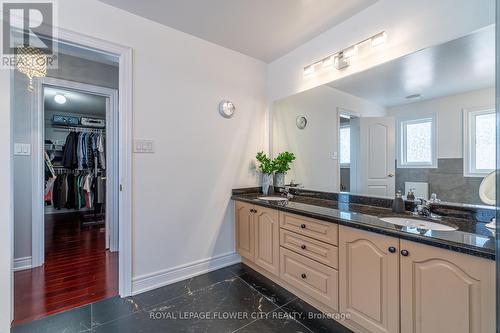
<point>424,209</point>
<point>286,192</point>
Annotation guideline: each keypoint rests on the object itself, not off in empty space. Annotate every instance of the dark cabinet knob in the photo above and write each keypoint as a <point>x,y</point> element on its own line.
<point>303,275</point>
<point>303,226</point>
<point>405,253</point>
<point>303,247</point>
<point>392,249</point>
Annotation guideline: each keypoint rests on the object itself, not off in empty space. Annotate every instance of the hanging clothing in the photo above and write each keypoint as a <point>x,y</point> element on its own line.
<point>60,192</point>
<point>101,149</point>
<point>87,188</point>
<point>70,157</point>
<point>83,150</point>
<point>83,184</point>
<point>49,190</point>
<point>79,150</point>
<point>101,189</point>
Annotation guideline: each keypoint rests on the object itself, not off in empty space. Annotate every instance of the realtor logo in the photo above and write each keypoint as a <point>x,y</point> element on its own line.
<point>28,27</point>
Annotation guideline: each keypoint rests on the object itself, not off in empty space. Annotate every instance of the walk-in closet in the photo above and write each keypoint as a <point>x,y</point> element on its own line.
<point>75,155</point>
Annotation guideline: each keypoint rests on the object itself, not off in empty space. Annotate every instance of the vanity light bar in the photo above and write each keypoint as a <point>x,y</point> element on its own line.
<point>339,60</point>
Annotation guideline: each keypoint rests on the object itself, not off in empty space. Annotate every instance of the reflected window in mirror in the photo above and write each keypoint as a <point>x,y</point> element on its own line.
<point>347,154</point>
<point>417,143</point>
<point>345,145</point>
<point>479,142</point>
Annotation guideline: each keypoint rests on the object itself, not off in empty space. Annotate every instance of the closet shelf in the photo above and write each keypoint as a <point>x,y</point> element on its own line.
<point>79,128</point>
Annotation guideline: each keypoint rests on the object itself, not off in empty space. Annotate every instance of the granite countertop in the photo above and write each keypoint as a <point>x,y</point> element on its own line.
<point>471,237</point>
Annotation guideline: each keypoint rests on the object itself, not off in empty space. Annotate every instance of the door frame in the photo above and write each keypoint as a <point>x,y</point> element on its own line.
<point>38,116</point>
<point>353,164</point>
<point>123,114</point>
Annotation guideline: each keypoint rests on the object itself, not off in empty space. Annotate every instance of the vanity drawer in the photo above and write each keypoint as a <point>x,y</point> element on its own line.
<point>324,253</point>
<point>323,231</point>
<point>310,277</point>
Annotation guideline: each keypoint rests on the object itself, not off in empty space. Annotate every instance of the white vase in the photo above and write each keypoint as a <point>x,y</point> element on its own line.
<point>267,180</point>
<point>279,179</point>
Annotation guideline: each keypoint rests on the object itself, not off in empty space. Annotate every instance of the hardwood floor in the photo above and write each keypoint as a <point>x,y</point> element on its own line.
<point>77,271</point>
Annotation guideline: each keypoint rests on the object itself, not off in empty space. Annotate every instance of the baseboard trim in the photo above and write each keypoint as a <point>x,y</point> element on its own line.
<point>22,264</point>
<point>165,277</point>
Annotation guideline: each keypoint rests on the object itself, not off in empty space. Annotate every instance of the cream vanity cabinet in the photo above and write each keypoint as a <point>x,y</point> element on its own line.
<point>384,284</point>
<point>257,235</point>
<point>391,285</point>
<point>300,253</point>
<point>369,280</point>
<point>445,291</point>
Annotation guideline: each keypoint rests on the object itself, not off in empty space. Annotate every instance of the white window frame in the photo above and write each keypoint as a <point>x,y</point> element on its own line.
<point>469,144</point>
<point>344,165</point>
<point>401,142</point>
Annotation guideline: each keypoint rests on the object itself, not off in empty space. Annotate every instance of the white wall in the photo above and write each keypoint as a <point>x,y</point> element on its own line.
<point>314,146</point>
<point>449,117</point>
<point>182,211</point>
<point>411,25</point>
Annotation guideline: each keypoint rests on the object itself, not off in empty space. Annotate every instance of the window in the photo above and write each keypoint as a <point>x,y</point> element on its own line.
<point>417,143</point>
<point>345,145</point>
<point>479,142</point>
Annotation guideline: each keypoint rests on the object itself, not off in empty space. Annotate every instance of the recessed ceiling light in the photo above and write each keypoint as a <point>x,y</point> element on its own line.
<point>60,99</point>
<point>414,96</point>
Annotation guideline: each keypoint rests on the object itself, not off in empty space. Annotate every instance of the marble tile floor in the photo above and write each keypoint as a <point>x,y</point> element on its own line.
<point>231,299</point>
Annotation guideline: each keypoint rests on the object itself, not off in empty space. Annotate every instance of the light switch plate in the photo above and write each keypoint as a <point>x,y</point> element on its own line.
<point>143,146</point>
<point>22,149</point>
<point>335,155</point>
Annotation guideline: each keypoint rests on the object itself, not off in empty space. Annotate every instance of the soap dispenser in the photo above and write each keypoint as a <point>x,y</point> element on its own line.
<point>398,205</point>
<point>411,195</point>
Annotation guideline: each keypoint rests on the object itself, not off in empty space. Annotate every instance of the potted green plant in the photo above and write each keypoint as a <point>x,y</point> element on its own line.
<point>282,166</point>
<point>266,167</point>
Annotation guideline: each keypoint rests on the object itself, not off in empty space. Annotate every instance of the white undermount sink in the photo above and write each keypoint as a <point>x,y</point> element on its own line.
<point>415,223</point>
<point>273,198</point>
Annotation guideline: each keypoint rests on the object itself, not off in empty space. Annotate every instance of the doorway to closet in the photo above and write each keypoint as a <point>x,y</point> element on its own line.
<point>75,258</point>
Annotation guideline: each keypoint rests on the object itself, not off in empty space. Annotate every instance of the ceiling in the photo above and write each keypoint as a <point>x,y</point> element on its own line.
<point>263,29</point>
<point>458,66</point>
<point>76,102</point>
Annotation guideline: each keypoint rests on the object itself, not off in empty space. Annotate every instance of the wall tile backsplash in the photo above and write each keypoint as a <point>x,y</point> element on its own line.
<point>447,181</point>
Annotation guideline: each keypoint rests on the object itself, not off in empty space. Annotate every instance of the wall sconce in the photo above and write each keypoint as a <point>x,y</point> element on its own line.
<point>342,58</point>
<point>226,109</point>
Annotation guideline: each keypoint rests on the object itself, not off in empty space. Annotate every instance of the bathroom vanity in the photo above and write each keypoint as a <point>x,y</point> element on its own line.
<point>410,127</point>
<point>343,259</point>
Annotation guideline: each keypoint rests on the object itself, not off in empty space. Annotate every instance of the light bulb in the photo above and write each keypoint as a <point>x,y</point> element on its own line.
<point>350,52</point>
<point>328,62</point>
<point>379,39</point>
<point>309,70</point>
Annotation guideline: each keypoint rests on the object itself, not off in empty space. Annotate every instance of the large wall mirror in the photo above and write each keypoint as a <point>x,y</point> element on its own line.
<point>424,122</point>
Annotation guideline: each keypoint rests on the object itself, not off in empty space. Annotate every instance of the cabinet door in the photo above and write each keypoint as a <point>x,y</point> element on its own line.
<point>244,230</point>
<point>445,291</point>
<point>267,239</point>
<point>369,280</point>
